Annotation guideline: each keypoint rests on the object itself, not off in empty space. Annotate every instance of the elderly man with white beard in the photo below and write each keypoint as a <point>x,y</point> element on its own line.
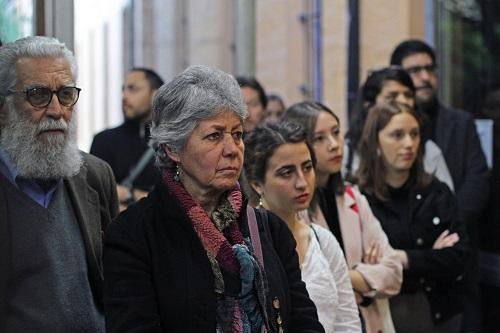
<point>55,201</point>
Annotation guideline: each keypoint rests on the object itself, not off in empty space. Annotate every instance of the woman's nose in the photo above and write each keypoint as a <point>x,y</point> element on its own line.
<point>333,143</point>
<point>230,145</point>
<point>301,181</point>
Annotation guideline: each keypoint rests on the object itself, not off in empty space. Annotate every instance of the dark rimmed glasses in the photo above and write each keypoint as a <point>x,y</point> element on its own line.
<point>415,70</point>
<point>41,96</point>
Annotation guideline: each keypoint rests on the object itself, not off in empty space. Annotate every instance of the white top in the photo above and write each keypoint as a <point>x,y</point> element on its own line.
<point>326,276</point>
<point>435,164</point>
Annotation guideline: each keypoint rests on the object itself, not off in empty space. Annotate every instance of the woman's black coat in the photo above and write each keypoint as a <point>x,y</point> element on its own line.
<point>158,277</point>
<point>437,272</point>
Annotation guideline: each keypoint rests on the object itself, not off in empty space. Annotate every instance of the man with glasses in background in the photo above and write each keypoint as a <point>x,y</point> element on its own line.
<point>55,200</point>
<point>455,133</point>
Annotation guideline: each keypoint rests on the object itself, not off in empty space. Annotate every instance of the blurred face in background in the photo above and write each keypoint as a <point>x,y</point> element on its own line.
<point>137,97</point>
<point>274,110</point>
<point>328,145</point>
<point>423,73</point>
<point>289,180</point>
<point>399,142</point>
<point>255,108</point>
<point>394,91</point>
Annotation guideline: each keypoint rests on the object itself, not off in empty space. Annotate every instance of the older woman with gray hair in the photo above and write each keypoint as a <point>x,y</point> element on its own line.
<point>188,257</point>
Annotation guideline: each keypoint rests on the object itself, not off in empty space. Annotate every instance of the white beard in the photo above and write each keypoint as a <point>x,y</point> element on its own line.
<point>54,156</point>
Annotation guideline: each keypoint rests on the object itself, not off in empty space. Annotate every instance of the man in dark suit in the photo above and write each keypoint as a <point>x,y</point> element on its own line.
<point>54,200</point>
<point>455,133</point>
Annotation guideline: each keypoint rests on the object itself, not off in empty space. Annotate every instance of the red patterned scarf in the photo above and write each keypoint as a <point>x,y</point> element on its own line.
<point>227,248</point>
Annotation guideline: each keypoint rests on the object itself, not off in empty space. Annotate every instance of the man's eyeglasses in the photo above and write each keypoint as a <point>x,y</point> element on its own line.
<point>417,69</point>
<point>41,97</point>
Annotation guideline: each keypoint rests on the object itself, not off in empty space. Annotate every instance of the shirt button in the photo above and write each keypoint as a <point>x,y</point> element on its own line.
<point>428,289</point>
<point>436,220</point>
<point>422,280</point>
<point>419,196</point>
<point>420,241</point>
<point>437,315</point>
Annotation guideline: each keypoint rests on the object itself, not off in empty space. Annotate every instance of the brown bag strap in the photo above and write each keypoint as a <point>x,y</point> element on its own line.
<point>254,234</point>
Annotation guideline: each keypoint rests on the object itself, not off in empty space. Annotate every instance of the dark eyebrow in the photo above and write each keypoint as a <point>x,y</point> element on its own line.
<point>222,127</point>
<point>333,127</point>
<point>286,167</point>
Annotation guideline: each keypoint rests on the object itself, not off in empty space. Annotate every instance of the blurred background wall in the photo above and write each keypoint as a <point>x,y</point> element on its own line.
<point>301,49</point>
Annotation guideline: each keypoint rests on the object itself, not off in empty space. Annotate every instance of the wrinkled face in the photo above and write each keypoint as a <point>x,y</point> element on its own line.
<point>274,111</point>
<point>423,73</point>
<point>53,73</point>
<point>137,96</point>
<point>399,142</point>
<point>289,180</point>
<point>212,159</point>
<point>40,141</point>
<point>328,145</point>
<point>393,91</point>
<point>255,108</point>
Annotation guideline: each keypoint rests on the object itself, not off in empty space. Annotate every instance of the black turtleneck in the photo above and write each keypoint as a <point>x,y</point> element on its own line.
<point>328,205</point>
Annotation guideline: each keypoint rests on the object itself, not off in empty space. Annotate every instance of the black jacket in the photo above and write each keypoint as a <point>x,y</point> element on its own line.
<point>158,277</point>
<point>94,200</point>
<point>122,147</point>
<point>457,137</point>
<point>437,272</point>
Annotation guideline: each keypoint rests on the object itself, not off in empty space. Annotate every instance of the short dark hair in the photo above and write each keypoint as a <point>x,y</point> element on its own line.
<point>367,98</point>
<point>260,145</point>
<point>252,82</point>
<point>277,98</point>
<point>370,175</point>
<point>410,47</point>
<point>306,114</point>
<point>155,81</point>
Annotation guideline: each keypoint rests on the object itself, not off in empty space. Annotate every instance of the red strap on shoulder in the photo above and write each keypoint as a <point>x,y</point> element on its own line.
<point>349,191</point>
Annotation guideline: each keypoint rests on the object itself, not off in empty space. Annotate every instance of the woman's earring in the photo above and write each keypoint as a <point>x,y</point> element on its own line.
<point>261,204</point>
<point>177,176</point>
<point>378,152</point>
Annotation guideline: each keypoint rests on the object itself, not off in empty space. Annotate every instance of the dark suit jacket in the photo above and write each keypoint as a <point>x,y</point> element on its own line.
<point>158,277</point>
<point>457,137</point>
<point>93,195</point>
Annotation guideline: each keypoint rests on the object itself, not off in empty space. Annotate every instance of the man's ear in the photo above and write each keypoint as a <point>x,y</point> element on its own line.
<point>172,154</point>
<point>153,94</point>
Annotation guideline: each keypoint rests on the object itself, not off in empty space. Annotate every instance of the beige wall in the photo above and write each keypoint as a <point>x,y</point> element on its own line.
<point>281,44</point>
<point>210,33</point>
<point>383,24</point>
<point>335,42</point>
<point>282,40</point>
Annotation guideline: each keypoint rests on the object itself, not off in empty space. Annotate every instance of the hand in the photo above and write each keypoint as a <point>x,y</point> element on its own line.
<point>358,282</point>
<point>139,194</point>
<point>372,254</point>
<point>403,258</point>
<point>358,297</point>
<point>123,193</point>
<point>445,240</point>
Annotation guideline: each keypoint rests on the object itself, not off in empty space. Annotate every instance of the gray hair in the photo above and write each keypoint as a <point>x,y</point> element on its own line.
<point>29,47</point>
<point>199,93</point>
